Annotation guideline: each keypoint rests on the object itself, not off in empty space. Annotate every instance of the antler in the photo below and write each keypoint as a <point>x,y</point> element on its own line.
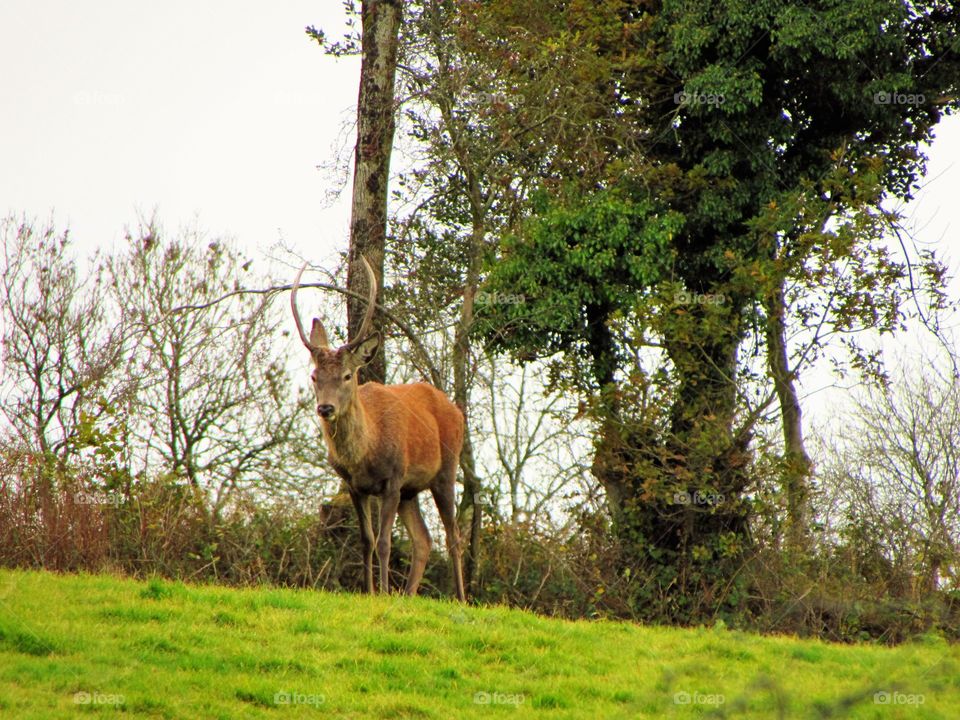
<point>318,331</point>
<point>365,326</point>
<point>317,325</point>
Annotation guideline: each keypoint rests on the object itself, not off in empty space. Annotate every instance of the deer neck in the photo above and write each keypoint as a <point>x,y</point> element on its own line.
<point>347,435</point>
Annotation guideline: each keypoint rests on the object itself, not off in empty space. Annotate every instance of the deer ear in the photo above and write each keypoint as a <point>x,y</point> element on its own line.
<point>318,336</point>
<point>365,351</point>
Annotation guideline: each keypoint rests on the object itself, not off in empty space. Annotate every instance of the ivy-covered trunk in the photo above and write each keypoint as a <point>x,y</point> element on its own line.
<point>677,498</point>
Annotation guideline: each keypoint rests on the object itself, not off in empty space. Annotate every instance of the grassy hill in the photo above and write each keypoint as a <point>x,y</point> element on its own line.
<point>73,646</point>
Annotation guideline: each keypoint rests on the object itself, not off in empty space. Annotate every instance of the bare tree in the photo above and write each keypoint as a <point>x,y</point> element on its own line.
<point>534,442</point>
<point>377,42</point>
<point>213,398</point>
<point>60,344</point>
<point>900,471</point>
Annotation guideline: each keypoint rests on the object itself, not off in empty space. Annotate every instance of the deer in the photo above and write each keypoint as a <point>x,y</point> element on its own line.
<point>391,442</point>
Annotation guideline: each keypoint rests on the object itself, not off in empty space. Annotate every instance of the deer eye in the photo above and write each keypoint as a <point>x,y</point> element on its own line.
<point>347,376</point>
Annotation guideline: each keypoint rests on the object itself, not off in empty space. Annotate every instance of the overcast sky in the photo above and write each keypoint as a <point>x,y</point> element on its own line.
<point>221,113</point>
<point>211,110</point>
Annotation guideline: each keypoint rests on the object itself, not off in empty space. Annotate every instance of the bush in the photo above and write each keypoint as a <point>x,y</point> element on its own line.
<point>57,517</point>
<point>47,516</point>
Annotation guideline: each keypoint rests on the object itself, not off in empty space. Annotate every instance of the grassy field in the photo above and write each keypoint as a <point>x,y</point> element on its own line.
<point>72,646</point>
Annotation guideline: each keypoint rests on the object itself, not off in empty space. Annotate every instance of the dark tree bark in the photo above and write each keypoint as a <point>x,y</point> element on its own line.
<point>375,128</point>
<point>371,173</point>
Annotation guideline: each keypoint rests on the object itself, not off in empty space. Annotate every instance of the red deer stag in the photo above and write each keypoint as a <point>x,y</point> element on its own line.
<point>388,441</point>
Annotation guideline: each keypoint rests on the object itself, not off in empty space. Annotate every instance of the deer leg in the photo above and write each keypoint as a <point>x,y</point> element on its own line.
<point>389,504</point>
<point>409,511</point>
<point>362,505</point>
<point>444,494</point>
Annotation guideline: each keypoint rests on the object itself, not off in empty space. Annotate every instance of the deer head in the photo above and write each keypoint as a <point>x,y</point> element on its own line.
<point>335,370</point>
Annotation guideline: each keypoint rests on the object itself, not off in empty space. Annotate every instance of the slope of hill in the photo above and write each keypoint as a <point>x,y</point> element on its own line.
<point>75,645</point>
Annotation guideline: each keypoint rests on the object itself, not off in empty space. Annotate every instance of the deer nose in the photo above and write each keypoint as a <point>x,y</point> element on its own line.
<point>325,410</point>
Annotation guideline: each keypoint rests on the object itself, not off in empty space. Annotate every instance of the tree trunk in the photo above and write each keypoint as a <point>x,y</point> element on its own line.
<point>471,510</point>
<point>375,127</point>
<point>676,494</point>
<point>371,174</point>
<point>797,465</point>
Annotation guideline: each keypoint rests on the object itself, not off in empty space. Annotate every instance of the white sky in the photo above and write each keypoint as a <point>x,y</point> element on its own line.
<point>211,110</point>
<point>220,113</point>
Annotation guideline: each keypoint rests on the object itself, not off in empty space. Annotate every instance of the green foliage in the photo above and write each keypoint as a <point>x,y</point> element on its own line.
<point>598,251</point>
<point>774,130</point>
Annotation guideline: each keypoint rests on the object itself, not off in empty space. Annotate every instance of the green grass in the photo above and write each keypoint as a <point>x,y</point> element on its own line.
<point>80,646</point>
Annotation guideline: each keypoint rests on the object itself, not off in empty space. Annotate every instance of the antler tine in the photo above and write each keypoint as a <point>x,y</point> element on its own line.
<point>365,326</point>
<point>293,306</point>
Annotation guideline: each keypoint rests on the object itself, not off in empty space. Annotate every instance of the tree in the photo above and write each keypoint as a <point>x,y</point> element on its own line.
<point>741,162</point>
<point>536,446</point>
<point>213,401</point>
<point>899,468</point>
<point>475,167</point>
<point>61,344</point>
<point>380,22</point>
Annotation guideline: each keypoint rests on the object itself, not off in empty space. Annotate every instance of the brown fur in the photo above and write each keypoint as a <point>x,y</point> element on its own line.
<point>394,442</point>
<point>387,441</point>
